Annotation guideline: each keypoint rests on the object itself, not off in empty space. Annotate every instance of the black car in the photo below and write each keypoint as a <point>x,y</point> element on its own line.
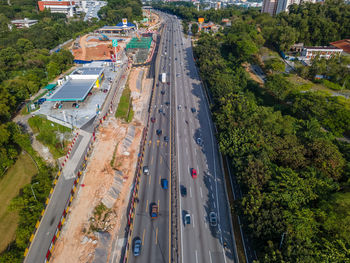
<point>166,138</point>
<point>193,110</point>
<point>183,190</point>
<point>162,92</point>
<point>160,110</point>
<point>159,132</point>
<point>167,103</point>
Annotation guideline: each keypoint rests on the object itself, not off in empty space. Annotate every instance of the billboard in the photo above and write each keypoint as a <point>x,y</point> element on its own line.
<point>200,20</point>
<point>125,21</point>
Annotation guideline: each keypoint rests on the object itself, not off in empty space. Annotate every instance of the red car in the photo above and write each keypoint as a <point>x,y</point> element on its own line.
<point>153,120</point>
<point>194,173</point>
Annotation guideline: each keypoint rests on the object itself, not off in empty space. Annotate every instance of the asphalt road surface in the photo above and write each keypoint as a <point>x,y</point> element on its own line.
<point>200,241</point>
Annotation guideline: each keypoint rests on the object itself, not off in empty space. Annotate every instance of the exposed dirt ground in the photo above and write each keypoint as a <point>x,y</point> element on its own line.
<point>97,180</point>
<point>94,49</point>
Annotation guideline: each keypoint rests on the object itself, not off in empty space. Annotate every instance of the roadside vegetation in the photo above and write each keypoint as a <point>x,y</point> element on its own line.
<point>51,134</point>
<point>293,172</point>
<point>13,180</point>
<point>24,204</point>
<point>124,110</point>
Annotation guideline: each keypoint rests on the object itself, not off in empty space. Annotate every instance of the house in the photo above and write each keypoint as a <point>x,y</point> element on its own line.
<point>309,53</point>
<point>343,44</point>
<point>21,23</point>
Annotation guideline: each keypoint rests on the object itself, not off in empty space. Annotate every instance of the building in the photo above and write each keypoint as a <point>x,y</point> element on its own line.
<point>64,6</point>
<point>78,84</point>
<point>309,53</point>
<point>343,44</point>
<point>21,23</point>
<point>274,7</point>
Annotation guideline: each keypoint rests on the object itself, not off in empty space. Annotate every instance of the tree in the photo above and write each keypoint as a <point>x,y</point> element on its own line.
<point>194,28</point>
<point>275,64</point>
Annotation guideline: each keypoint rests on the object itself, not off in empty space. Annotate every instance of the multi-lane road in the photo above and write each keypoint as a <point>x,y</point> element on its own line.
<point>198,241</point>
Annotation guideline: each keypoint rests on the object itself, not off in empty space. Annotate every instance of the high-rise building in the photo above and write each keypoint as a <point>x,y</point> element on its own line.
<point>274,7</point>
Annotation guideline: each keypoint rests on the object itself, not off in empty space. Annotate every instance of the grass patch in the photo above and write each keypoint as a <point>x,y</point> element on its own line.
<point>124,110</point>
<point>50,134</point>
<point>15,178</point>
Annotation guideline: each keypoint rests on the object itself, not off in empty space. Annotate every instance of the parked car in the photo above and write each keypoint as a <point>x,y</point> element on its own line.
<point>41,101</point>
<point>137,246</point>
<point>193,110</point>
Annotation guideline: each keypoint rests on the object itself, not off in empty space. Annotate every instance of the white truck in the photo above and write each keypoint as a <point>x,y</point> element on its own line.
<point>163,77</point>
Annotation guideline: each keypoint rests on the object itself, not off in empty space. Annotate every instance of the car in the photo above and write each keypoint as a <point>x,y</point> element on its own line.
<point>193,110</point>
<point>41,100</point>
<point>137,246</point>
<point>160,110</point>
<point>162,92</point>
<point>212,219</point>
<point>166,138</point>
<point>153,119</point>
<point>194,173</point>
<point>187,219</point>
<point>199,141</point>
<point>105,90</point>
<point>154,211</point>
<point>74,104</point>
<point>167,103</point>
<point>183,191</point>
<point>159,132</point>
<point>179,107</point>
<point>164,183</point>
<point>145,170</point>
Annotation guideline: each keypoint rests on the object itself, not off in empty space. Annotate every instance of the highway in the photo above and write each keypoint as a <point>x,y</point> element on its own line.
<point>155,233</point>
<point>199,241</point>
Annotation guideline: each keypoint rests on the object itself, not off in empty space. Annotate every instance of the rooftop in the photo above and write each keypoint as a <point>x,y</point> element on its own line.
<point>88,71</point>
<point>73,90</point>
<point>326,47</point>
<point>343,44</point>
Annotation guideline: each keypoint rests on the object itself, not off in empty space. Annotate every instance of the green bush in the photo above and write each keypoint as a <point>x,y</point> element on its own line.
<point>331,85</point>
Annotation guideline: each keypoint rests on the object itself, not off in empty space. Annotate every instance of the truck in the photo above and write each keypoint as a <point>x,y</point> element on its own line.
<point>154,211</point>
<point>163,77</point>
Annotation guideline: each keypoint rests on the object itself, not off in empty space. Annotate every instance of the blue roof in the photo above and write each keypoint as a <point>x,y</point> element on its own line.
<point>128,24</point>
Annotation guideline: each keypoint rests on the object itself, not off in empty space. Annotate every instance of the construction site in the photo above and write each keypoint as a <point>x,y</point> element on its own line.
<point>94,228</point>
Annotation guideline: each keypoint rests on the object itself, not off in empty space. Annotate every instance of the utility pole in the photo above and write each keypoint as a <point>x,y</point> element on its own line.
<point>31,186</point>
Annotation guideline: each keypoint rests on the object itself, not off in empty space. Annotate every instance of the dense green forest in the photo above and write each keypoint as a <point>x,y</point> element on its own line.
<point>294,175</point>
<point>118,9</point>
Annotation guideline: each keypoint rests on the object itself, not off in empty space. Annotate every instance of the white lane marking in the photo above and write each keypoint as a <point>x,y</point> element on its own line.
<point>190,192</point>
<point>214,205</point>
<point>188,168</point>
<point>211,187</point>
<point>195,151</point>
<point>196,257</point>
<point>200,189</point>
<point>212,195</point>
<point>210,257</point>
<point>193,220</point>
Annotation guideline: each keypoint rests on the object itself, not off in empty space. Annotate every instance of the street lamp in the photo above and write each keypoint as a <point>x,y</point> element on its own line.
<point>31,186</point>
